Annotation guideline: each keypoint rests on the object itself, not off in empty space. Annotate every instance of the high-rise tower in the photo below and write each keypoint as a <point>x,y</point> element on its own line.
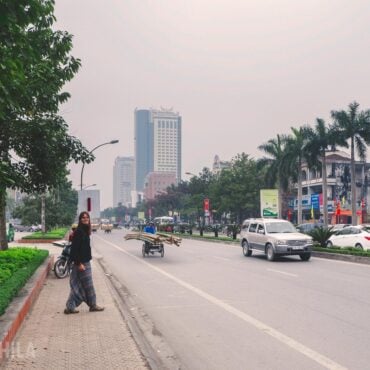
<point>157,143</point>
<point>123,181</point>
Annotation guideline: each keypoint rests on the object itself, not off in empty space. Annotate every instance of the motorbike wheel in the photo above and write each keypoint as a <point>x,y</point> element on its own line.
<point>61,268</point>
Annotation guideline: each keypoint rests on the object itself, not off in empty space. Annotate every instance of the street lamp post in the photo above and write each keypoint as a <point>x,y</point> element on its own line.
<point>98,146</point>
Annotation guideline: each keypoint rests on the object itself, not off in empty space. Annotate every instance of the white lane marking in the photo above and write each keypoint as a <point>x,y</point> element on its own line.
<point>297,346</point>
<point>283,272</point>
<point>222,258</point>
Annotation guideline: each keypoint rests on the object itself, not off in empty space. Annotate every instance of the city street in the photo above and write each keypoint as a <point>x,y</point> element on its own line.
<point>217,309</point>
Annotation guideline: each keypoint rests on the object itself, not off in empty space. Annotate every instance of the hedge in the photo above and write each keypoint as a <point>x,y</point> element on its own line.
<point>17,265</point>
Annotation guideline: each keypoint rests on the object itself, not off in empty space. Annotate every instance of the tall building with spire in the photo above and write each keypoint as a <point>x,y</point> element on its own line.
<point>157,143</point>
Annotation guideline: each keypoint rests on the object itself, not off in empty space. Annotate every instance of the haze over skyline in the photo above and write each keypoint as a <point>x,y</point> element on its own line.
<point>239,72</point>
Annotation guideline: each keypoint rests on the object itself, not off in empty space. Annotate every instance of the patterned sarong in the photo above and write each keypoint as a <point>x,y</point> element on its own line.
<point>82,287</point>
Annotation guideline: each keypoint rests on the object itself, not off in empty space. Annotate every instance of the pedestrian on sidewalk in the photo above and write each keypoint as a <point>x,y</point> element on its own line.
<point>81,283</point>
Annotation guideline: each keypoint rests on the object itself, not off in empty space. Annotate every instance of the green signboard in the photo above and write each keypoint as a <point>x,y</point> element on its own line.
<point>269,202</point>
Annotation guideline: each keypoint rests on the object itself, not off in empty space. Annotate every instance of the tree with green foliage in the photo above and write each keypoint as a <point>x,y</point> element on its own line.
<point>35,63</point>
<point>353,125</point>
<point>236,189</point>
<point>61,207</point>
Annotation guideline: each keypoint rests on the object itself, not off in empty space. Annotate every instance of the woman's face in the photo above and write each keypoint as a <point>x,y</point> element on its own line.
<point>85,219</point>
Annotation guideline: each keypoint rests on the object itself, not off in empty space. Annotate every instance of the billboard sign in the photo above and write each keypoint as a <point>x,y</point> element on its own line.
<point>269,202</point>
<point>315,201</point>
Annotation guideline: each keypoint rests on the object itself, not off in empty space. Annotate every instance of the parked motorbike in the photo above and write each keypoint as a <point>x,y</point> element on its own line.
<point>63,264</point>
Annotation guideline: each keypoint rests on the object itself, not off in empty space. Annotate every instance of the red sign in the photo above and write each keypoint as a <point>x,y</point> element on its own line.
<point>88,204</point>
<point>337,211</point>
<point>206,205</point>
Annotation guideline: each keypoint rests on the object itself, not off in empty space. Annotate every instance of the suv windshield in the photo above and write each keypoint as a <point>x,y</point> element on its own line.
<point>280,227</point>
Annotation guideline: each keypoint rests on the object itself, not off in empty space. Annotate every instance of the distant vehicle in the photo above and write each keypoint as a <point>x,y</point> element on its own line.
<point>35,228</point>
<point>9,232</point>
<point>164,223</point>
<point>274,237</point>
<point>107,228</point>
<point>307,227</point>
<point>22,228</point>
<point>164,220</point>
<point>339,226</point>
<point>350,236</point>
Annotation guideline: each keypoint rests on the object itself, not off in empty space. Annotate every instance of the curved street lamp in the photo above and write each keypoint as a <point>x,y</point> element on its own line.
<point>190,174</point>
<point>98,146</point>
<point>88,186</point>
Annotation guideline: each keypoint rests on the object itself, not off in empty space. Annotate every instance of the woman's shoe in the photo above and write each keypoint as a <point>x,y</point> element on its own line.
<point>96,308</point>
<point>67,311</point>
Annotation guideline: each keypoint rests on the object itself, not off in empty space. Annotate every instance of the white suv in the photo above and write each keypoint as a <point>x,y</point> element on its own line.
<point>274,237</point>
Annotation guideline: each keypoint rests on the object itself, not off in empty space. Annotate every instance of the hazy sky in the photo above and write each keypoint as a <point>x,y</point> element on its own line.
<point>238,71</point>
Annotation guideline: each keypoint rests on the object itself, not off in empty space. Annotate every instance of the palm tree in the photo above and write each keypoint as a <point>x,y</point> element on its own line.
<point>320,138</point>
<point>295,153</point>
<point>355,126</point>
<point>275,149</point>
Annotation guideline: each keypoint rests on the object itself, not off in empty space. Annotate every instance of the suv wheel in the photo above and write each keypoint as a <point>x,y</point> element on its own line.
<point>246,251</point>
<point>305,256</point>
<point>270,252</point>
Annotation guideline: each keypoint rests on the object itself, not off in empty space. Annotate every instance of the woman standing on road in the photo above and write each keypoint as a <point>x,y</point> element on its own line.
<point>81,283</point>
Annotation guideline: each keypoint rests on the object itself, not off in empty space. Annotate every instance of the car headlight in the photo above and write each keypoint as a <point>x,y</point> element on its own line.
<point>281,242</point>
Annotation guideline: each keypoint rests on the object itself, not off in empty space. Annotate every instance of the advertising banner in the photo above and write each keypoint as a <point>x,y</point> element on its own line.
<point>269,202</point>
<point>315,201</point>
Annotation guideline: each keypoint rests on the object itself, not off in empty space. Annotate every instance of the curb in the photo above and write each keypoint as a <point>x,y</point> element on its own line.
<point>30,241</point>
<point>342,257</point>
<point>157,354</point>
<point>20,306</point>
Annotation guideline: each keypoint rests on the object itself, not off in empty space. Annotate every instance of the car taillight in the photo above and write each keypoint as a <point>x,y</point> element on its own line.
<point>367,237</point>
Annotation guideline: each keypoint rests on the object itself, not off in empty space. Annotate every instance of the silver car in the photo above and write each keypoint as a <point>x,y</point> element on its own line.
<point>274,237</point>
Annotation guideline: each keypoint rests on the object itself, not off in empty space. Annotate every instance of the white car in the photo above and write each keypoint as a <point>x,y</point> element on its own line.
<point>350,236</point>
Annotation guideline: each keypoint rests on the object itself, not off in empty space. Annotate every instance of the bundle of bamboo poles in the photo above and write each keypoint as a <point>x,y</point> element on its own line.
<point>157,238</point>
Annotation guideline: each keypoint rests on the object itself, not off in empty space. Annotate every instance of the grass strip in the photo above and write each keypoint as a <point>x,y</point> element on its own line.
<point>53,234</point>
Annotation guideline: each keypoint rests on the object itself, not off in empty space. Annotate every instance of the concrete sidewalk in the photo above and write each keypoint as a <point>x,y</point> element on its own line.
<point>49,339</point>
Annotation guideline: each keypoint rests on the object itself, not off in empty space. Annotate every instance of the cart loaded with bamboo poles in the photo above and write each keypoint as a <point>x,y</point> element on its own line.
<point>153,242</point>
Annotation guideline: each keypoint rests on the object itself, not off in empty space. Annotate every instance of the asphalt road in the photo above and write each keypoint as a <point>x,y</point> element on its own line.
<point>220,310</point>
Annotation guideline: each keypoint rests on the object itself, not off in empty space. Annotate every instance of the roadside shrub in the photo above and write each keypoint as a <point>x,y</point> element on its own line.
<point>321,235</point>
<point>17,265</point>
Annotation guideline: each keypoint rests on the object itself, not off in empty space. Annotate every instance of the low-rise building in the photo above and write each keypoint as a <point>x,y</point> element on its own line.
<point>157,182</point>
<point>338,169</point>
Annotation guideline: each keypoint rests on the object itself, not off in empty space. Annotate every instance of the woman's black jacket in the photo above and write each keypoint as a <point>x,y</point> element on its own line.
<point>80,249</point>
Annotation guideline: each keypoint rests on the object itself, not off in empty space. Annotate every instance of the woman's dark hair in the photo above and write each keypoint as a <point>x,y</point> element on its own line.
<point>87,228</point>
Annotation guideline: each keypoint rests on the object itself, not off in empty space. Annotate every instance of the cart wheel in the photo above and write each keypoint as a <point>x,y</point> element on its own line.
<point>143,250</point>
<point>162,251</point>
